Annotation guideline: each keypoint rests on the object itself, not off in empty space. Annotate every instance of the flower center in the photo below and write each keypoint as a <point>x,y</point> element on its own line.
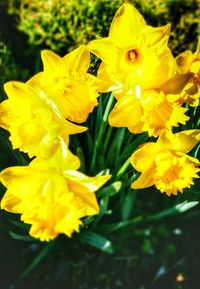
<point>174,174</point>
<point>132,55</point>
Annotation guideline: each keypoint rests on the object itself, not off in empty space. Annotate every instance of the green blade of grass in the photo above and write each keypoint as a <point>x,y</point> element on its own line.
<point>110,190</point>
<point>19,237</point>
<point>177,209</point>
<point>42,254</point>
<point>96,240</point>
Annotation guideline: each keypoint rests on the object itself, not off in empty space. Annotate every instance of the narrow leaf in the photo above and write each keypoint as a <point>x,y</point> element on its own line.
<point>111,190</point>
<point>26,238</point>
<point>96,240</point>
<point>43,253</point>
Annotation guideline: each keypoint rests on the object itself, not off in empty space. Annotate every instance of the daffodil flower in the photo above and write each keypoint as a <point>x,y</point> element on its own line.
<point>65,80</point>
<point>50,194</point>
<point>190,62</point>
<point>165,163</point>
<point>34,121</point>
<point>133,53</point>
<point>149,110</point>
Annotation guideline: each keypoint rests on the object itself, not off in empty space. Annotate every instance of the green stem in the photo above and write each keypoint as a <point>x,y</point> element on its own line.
<point>101,131</point>
<point>108,134</point>
<point>123,168</point>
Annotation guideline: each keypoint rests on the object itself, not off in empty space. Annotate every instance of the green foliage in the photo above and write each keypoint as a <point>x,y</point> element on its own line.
<point>67,24</point>
<point>63,24</point>
<point>96,241</point>
<point>9,70</point>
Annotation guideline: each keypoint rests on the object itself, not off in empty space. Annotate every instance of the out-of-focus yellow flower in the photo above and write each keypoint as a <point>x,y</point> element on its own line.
<point>50,194</point>
<point>165,163</point>
<point>190,62</point>
<point>34,121</point>
<point>149,110</point>
<point>134,53</point>
<point>66,81</point>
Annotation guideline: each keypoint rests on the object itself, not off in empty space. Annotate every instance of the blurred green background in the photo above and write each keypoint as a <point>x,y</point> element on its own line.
<point>161,253</point>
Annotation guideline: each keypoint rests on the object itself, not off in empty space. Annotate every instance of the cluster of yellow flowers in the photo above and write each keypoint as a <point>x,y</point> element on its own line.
<point>151,89</point>
<point>50,193</point>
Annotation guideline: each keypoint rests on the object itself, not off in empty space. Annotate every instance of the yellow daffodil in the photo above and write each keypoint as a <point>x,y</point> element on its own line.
<point>133,53</point>
<point>65,80</point>
<point>148,110</point>
<point>190,62</point>
<point>165,163</point>
<point>50,194</point>
<point>33,120</point>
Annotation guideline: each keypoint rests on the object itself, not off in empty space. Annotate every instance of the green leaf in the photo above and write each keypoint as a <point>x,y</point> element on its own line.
<point>185,206</point>
<point>108,228</point>
<point>99,117</point>
<point>80,155</point>
<point>21,225</point>
<point>96,240</point>
<point>127,205</point>
<point>43,253</point>
<point>26,238</point>
<point>132,146</point>
<point>179,208</point>
<point>110,190</point>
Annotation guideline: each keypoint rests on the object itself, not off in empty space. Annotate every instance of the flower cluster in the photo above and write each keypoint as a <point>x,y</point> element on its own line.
<point>151,88</point>
<point>50,194</point>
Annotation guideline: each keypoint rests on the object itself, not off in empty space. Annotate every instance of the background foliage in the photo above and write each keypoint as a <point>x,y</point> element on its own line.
<point>149,241</point>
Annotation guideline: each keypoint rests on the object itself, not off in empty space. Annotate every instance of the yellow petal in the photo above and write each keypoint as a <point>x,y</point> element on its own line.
<point>37,80</point>
<point>104,49</point>
<point>184,61</point>
<point>5,113</point>
<point>11,203</point>
<point>127,113</point>
<point>19,93</point>
<point>106,83</point>
<point>168,141</point>
<point>23,184</point>
<point>176,84</point>
<point>144,157</point>
<point>52,63</point>
<point>92,183</point>
<point>84,197</point>
<point>145,180</point>
<point>78,59</point>
<point>126,24</point>
<point>188,139</point>
<point>158,36</point>
<point>61,160</point>
<point>71,128</point>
